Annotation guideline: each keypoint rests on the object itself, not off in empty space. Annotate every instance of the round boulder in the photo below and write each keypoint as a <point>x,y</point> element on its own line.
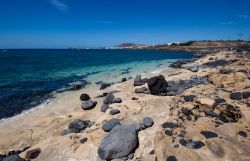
<point>88,105</point>
<point>84,97</point>
<point>109,125</point>
<point>148,122</point>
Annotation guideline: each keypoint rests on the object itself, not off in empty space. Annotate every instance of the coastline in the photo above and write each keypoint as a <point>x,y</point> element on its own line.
<point>41,128</point>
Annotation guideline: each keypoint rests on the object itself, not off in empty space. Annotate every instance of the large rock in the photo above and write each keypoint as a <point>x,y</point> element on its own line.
<point>88,105</point>
<point>120,142</point>
<point>104,107</point>
<point>84,97</point>
<point>13,158</point>
<point>138,81</point>
<point>108,99</point>
<point>109,125</point>
<point>157,85</point>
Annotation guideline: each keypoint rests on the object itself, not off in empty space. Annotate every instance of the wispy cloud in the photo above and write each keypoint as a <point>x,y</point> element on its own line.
<point>242,16</point>
<point>106,22</point>
<point>227,23</point>
<point>60,5</point>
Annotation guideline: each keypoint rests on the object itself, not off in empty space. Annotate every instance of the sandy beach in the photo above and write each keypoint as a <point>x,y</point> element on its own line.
<point>42,127</point>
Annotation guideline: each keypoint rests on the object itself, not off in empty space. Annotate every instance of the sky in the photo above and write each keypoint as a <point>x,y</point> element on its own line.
<point>107,23</point>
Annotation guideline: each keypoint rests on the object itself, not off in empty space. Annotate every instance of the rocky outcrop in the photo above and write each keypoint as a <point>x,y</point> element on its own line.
<point>157,85</point>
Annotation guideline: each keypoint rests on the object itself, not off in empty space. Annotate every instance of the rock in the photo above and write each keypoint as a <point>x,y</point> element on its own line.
<point>109,125</point>
<point>216,63</point>
<point>117,100</point>
<point>84,97</point>
<point>105,85</point>
<point>196,145</point>
<point>32,154</point>
<point>189,98</point>
<point>77,126</point>
<point>108,99</point>
<point>148,122</point>
<point>121,141</point>
<point>76,87</point>
<point>131,156</point>
<point>88,105</point>
<point>144,90</point>
<point>210,58</point>
<point>245,95</point>
<point>170,125</point>
<point>134,98</point>
<point>124,79</point>
<point>186,111</point>
<point>194,68</point>
<point>13,158</point>
<point>171,158</point>
<point>82,141</point>
<point>168,133</point>
<point>228,113</point>
<point>138,81</point>
<point>179,63</point>
<point>209,134</point>
<point>242,134</point>
<point>104,107</point>
<point>114,111</point>
<point>226,71</point>
<point>236,96</point>
<point>157,85</point>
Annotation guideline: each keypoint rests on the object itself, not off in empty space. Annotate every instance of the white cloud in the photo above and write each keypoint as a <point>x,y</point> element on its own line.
<point>242,16</point>
<point>59,5</point>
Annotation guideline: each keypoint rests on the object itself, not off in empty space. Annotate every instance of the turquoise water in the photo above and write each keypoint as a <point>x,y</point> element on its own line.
<point>29,77</point>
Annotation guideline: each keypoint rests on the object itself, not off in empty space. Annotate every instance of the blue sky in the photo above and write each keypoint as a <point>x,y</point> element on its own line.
<point>105,23</point>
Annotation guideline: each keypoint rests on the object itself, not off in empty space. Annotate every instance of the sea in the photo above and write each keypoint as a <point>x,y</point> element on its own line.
<point>30,77</point>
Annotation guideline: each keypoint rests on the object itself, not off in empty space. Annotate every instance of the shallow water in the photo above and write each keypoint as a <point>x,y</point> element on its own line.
<point>29,77</point>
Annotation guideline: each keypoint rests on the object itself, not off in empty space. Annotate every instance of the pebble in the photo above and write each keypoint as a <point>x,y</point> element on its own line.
<point>148,121</point>
<point>168,133</point>
<point>84,97</point>
<point>109,125</point>
<point>209,134</point>
<point>171,158</point>
<point>88,105</point>
<point>114,111</point>
<point>170,125</point>
<point>82,141</point>
<point>117,100</point>
<point>236,96</point>
<point>242,134</point>
<point>32,154</point>
<point>104,107</point>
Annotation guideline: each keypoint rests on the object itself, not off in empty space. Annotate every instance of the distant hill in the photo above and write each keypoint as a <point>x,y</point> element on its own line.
<point>131,46</point>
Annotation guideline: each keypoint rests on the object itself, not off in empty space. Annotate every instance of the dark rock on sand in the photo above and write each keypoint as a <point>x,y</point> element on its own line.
<point>236,96</point>
<point>144,90</point>
<point>134,98</point>
<point>186,111</point>
<point>120,142</point>
<point>88,105</point>
<point>179,63</point>
<point>189,143</point>
<point>108,99</point>
<point>170,125</point>
<point>148,122</point>
<point>104,107</point>
<point>171,158</point>
<point>124,79</point>
<point>105,85</point>
<point>157,85</point>
<point>245,95</point>
<point>138,81</point>
<point>82,141</point>
<point>13,158</point>
<point>32,154</point>
<point>109,125</point>
<point>189,98</point>
<point>77,126</point>
<point>114,111</point>
<point>117,100</point>
<point>228,113</point>
<point>226,71</point>
<point>209,134</point>
<point>168,133</point>
<point>84,97</point>
<point>194,68</point>
<point>216,63</point>
<point>242,134</point>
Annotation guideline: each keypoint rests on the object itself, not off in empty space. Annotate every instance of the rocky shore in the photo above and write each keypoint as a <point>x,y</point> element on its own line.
<point>195,110</point>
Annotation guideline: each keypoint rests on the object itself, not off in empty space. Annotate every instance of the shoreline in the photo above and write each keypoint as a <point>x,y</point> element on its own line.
<point>41,128</point>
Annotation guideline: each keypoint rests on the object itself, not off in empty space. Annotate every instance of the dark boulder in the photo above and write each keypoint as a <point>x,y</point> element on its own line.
<point>134,98</point>
<point>144,90</point>
<point>242,134</point>
<point>117,100</point>
<point>121,141</point>
<point>114,111</point>
<point>209,134</point>
<point>194,68</point>
<point>148,122</point>
<point>77,126</point>
<point>236,96</point>
<point>32,154</point>
<point>189,98</point>
<point>170,125</point>
<point>13,158</point>
<point>109,125</point>
<point>84,97</point>
<point>157,85</point>
<point>186,111</point>
<point>245,95</point>
<point>105,85</point>
<point>138,81</point>
<point>124,79</point>
<point>171,158</point>
<point>108,99</point>
<point>88,105</point>
<point>104,107</point>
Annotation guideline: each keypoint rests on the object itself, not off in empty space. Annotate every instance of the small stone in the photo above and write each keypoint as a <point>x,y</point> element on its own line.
<point>144,90</point>
<point>148,121</point>
<point>189,98</point>
<point>236,96</point>
<point>209,134</point>
<point>108,99</point>
<point>189,118</point>
<point>183,142</point>
<point>105,85</point>
<point>168,133</point>
<point>124,79</point>
<point>114,111</point>
<point>171,158</point>
<point>242,134</point>
<point>186,111</point>
<point>104,107</point>
<point>245,95</point>
<point>84,97</point>
<point>138,81</point>
<point>196,144</point>
<point>117,100</point>
<point>109,125</point>
<point>88,105</point>
<point>170,125</point>
<point>134,98</point>
<point>131,156</point>
<point>82,141</point>
<point>32,154</point>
